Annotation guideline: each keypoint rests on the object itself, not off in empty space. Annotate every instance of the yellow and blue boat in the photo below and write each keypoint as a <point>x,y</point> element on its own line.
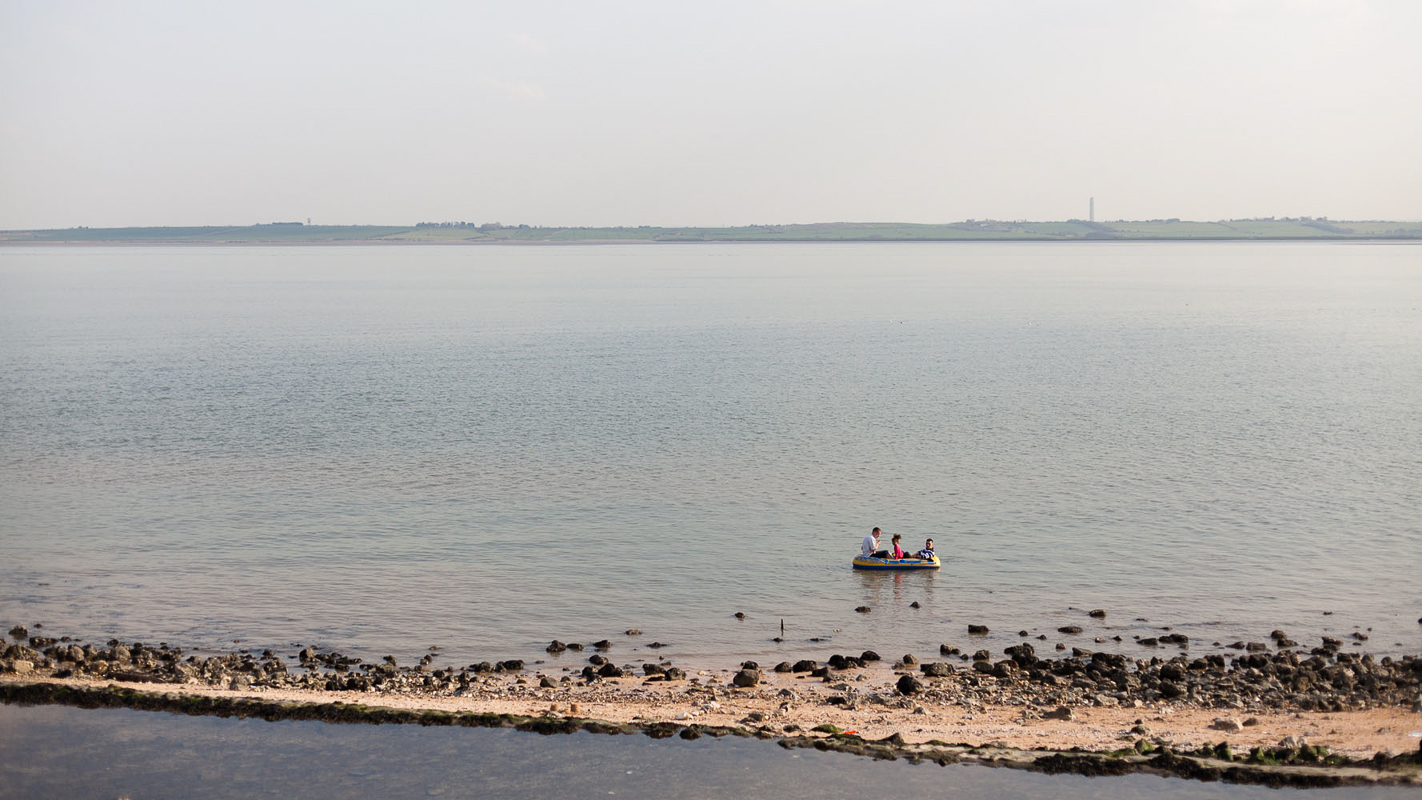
<point>869,562</point>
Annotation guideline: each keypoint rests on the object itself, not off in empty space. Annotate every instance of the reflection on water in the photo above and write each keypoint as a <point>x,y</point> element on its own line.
<point>894,593</point>
<point>74,753</point>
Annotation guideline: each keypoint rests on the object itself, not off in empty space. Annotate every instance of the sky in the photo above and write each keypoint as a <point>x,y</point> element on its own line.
<point>725,113</point>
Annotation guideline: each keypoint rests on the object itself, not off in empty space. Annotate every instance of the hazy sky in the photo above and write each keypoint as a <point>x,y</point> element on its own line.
<point>713,113</point>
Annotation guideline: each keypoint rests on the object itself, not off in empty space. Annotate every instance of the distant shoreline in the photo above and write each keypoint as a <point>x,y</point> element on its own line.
<point>1267,230</point>
<point>653,243</point>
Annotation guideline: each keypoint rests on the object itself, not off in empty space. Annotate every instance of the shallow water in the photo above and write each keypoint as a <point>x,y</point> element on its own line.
<point>382,449</point>
<point>64,752</point>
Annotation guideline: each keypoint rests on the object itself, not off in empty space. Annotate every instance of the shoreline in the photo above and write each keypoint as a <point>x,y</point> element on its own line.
<point>1249,759</point>
<point>1343,718</point>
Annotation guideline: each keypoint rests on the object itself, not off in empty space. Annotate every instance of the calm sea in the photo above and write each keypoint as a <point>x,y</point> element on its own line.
<point>384,449</point>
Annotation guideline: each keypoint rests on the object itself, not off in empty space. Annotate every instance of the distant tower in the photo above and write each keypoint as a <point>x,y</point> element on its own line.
<point>1091,210</point>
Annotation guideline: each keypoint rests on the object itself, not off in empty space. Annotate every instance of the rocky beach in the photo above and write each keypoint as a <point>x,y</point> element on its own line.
<point>1274,712</point>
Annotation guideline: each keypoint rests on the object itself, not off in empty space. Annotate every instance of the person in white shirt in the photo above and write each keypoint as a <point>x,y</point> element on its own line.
<point>870,547</point>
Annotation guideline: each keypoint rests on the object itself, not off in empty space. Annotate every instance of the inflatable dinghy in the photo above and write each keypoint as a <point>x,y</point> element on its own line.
<point>869,562</point>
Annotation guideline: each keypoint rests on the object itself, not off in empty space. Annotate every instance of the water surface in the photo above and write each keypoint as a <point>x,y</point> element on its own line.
<point>383,449</point>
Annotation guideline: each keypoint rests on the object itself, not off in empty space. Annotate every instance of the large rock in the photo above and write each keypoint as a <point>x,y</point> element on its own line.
<point>978,630</point>
<point>1293,743</point>
<point>21,632</point>
<point>1023,654</point>
<point>908,685</point>
<point>937,669</point>
<point>1226,724</point>
<point>746,678</point>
